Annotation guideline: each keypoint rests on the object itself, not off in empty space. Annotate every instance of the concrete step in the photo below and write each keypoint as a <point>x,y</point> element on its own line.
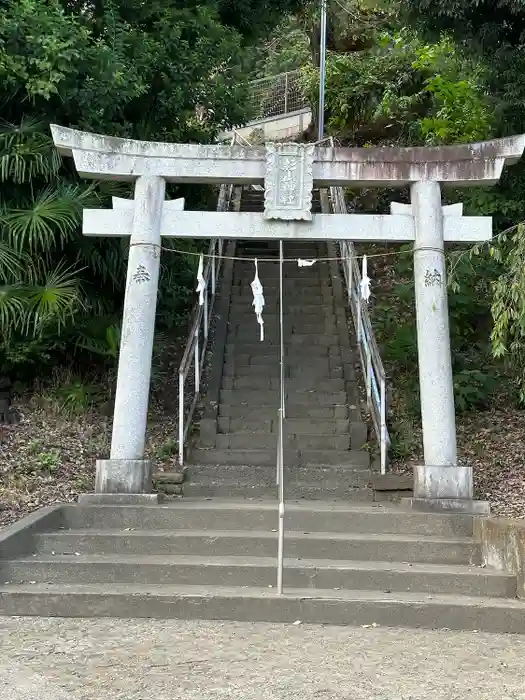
<point>308,326</point>
<point>247,335</point>
<point>295,490</point>
<point>319,476</point>
<point>413,610</point>
<point>293,309</point>
<point>297,360</point>
<point>241,313</point>
<point>293,411</point>
<point>238,326</point>
<point>266,363</point>
<point>260,397</point>
<point>407,549</point>
<point>292,426</point>
<point>296,384</point>
<point>315,373</point>
<point>290,271</point>
<point>297,295</point>
<point>267,457</point>
<point>228,457</point>
<point>270,348</point>
<point>355,608</point>
<point>292,279</point>
<point>250,571</point>
<point>246,366</point>
<point>231,514</point>
<point>261,440</point>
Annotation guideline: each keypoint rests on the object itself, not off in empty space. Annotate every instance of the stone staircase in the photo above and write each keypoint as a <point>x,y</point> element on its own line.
<point>213,554</point>
<point>324,434</point>
<point>345,563</point>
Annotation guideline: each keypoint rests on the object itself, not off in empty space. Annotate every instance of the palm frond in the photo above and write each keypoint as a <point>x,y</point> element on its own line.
<point>48,221</point>
<point>55,301</point>
<point>13,307</point>
<point>27,151</point>
<point>11,264</point>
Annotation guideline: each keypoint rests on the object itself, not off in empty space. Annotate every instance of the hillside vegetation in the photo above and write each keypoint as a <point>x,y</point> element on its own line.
<point>402,72</point>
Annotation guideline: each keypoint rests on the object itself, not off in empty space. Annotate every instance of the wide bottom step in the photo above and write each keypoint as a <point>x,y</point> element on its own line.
<point>257,604</point>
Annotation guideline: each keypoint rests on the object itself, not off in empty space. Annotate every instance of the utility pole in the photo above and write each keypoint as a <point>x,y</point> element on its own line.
<point>322,71</point>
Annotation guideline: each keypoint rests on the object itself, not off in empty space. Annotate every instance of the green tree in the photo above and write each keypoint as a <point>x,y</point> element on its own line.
<point>403,90</point>
<point>493,32</point>
<point>165,70</point>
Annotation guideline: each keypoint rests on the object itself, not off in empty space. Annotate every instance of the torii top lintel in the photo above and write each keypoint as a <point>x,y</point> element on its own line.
<point>108,157</point>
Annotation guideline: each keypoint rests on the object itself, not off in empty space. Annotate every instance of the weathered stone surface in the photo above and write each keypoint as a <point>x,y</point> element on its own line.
<point>356,227</point>
<point>138,324</point>
<point>288,182</point>
<point>168,478</point>
<point>18,538</point>
<point>443,482</point>
<point>171,489</point>
<point>392,482</point>
<point>115,158</point>
<point>119,499</point>
<point>447,505</point>
<point>123,476</point>
<point>503,546</point>
<point>433,337</point>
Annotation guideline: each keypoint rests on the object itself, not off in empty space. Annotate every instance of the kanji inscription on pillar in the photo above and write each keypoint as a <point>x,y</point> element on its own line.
<point>433,278</point>
<point>141,274</point>
<point>289,181</point>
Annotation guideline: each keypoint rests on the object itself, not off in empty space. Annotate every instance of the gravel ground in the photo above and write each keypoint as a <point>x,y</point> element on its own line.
<point>57,659</point>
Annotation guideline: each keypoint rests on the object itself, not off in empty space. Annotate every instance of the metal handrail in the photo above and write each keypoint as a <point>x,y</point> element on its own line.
<point>369,354</point>
<point>280,497</point>
<point>280,440</point>
<point>197,343</point>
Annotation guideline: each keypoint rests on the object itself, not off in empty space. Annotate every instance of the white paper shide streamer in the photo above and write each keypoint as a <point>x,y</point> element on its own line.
<point>365,281</point>
<point>258,299</point>
<point>305,263</point>
<point>201,282</point>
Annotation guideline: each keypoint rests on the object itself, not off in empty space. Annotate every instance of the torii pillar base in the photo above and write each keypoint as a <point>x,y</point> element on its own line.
<point>445,489</point>
<point>122,482</point>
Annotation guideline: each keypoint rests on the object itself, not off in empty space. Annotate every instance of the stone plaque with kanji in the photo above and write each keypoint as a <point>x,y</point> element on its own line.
<point>289,181</point>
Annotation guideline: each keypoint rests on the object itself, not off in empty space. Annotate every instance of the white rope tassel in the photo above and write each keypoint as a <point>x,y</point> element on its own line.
<point>305,263</point>
<point>201,282</point>
<point>258,299</point>
<point>365,281</point>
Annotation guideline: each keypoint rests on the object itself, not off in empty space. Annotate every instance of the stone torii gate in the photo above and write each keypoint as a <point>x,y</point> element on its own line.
<point>288,172</point>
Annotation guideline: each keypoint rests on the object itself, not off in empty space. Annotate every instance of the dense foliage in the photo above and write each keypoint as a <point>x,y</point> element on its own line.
<point>413,72</point>
<point>165,70</point>
<point>398,72</point>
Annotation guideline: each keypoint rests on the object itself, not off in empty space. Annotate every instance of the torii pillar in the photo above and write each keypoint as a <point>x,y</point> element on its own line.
<point>289,172</point>
<point>440,483</point>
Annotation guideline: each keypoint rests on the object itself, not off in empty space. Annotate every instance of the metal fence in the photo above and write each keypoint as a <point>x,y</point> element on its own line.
<point>277,95</point>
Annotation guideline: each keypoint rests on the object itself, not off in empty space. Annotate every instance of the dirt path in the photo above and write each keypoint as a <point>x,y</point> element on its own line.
<point>55,659</point>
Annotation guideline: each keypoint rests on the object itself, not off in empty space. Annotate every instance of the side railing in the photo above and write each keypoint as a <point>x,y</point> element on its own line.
<point>369,355</point>
<point>190,369</point>
<point>192,363</point>
<point>281,413</point>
